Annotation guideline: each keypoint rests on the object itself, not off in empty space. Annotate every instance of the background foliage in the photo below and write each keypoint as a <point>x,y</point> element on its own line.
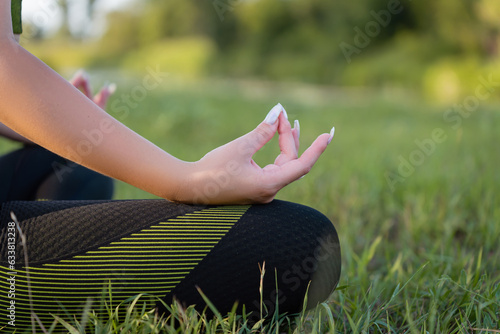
<point>423,45</point>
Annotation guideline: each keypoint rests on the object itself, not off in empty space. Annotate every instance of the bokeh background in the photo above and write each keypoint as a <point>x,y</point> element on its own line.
<point>411,180</point>
<point>437,48</point>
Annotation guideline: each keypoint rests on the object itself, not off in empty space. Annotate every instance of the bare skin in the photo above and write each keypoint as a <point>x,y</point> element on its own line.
<point>82,83</point>
<point>39,105</point>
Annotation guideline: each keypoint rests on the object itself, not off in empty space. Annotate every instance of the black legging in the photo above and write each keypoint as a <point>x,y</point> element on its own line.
<point>77,249</point>
<point>33,173</point>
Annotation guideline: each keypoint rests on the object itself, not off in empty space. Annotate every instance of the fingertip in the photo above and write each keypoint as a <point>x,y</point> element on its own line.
<point>77,76</point>
<point>85,75</point>
<point>105,91</point>
<point>296,135</point>
<point>296,126</point>
<point>332,132</point>
<point>111,88</point>
<point>273,115</point>
<point>313,152</point>
<point>284,124</point>
<point>102,97</point>
<point>324,139</point>
<point>283,110</point>
<point>105,94</point>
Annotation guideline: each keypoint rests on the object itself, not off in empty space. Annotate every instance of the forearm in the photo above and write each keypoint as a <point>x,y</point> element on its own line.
<point>40,105</point>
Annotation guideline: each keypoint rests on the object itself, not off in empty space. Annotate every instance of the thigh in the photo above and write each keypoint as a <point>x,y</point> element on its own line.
<point>82,250</point>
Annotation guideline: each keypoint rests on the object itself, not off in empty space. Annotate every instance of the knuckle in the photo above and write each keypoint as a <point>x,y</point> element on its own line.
<point>306,169</point>
<point>264,131</point>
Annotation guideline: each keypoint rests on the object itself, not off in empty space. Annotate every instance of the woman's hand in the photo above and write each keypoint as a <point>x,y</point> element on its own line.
<point>228,174</point>
<point>81,81</point>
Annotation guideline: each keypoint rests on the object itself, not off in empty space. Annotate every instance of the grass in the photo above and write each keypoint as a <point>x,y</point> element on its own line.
<point>420,247</point>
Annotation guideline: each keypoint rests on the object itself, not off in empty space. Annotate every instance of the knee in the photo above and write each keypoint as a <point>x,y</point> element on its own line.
<point>306,250</point>
<point>297,246</point>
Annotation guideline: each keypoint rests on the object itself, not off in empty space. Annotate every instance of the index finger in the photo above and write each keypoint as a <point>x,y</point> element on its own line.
<point>287,143</point>
<point>81,81</point>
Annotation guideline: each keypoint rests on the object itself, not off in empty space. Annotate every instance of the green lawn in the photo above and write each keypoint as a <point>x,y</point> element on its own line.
<point>414,197</point>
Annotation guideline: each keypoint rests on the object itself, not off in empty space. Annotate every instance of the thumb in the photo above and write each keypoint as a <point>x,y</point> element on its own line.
<point>262,134</point>
<point>81,81</point>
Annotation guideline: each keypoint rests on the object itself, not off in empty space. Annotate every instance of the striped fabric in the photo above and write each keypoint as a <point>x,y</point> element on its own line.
<point>152,261</point>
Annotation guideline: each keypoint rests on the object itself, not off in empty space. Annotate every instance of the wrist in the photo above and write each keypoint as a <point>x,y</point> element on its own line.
<point>188,184</point>
<point>176,183</point>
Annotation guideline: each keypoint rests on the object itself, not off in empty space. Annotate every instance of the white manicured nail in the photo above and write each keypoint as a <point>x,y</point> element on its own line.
<point>296,126</point>
<point>273,115</point>
<point>284,111</point>
<point>80,73</point>
<point>85,75</point>
<point>332,132</point>
<point>112,88</point>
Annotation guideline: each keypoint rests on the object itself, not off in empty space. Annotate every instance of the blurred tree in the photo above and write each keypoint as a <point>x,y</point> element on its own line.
<point>64,31</point>
<point>170,18</point>
<point>488,12</point>
<point>294,39</point>
<point>69,8</point>
<point>300,39</point>
<point>120,37</point>
<point>453,24</point>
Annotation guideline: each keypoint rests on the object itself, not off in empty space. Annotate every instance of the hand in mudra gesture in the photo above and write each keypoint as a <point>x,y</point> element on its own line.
<point>228,174</point>
<point>82,82</point>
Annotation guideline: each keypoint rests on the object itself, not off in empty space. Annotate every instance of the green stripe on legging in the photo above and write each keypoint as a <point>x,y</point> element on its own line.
<point>130,265</point>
